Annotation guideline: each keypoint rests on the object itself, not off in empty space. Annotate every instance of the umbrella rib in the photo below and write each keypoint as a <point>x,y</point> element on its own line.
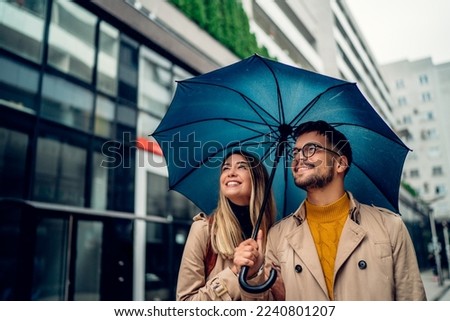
<point>398,141</point>
<point>311,104</point>
<point>245,97</point>
<point>235,121</point>
<point>280,100</point>
<point>203,161</point>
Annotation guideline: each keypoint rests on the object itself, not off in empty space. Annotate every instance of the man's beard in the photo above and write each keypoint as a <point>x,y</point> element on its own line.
<point>316,180</point>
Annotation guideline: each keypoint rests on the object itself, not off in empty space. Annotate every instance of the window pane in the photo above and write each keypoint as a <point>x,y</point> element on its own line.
<point>104,117</point>
<point>157,187</point>
<point>13,154</point>
<point>18,85</point>
<point>60,171</point>
<point>71,39</point>
<point>128,70</point>
<point>66,103</point>
<point>157,268</point>
<point>22,27</point>
<point>126,116</point>
<point>99,196</point>
<point>147,125</point>
<point>11,263</point>
<point>181,207</point>
<point>49,269</point>
<point>88,261</point>
<point>108,59</point>
<point>156,82</point>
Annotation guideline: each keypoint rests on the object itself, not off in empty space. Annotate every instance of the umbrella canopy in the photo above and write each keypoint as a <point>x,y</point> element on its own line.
<point>255,104</point>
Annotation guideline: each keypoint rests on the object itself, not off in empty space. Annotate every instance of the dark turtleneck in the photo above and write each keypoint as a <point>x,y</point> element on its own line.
<point>242,214</point>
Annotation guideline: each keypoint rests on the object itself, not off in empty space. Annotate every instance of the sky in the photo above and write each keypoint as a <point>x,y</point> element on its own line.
<point>404,29</point>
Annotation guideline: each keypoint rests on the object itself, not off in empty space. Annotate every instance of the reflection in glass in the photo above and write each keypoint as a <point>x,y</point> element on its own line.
<point>66,103</point>
<point>180,206</point>
<point>157,265</point>
<point>50,269</point>
<point>157,187</point>
<point>13,153</point>
<point>128,70</point>
<point>108,59</point>
<point>99,195</point>
<point>11,262</point>
<point>163,203</point>
<point>104,117</point>
<point>156,82</point>
<point>126,116</point>
<point>88,261</point>
<point>147,124</point>
<point>72,39</point>
<point>60,172</point>
<point>18,85</point>
<point>23,38</point>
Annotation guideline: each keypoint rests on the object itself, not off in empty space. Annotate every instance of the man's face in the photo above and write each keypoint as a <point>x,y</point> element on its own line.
<point>316,171</point>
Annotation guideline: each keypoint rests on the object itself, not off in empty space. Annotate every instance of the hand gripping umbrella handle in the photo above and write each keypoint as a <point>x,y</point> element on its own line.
<point>244,270</point>
<point>285,131</point>
<point>256,288</point>
<point>273,273</point>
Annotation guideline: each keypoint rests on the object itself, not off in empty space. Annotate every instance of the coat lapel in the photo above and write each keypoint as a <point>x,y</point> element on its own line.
<point>302,243</point>
<point>351,237</point>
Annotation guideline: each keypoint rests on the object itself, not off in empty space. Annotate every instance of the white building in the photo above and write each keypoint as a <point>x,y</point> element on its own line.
<point>421,91</point>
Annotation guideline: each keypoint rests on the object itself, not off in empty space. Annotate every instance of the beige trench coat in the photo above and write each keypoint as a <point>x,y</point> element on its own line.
<point>375,259</point>
<point>221,285</point>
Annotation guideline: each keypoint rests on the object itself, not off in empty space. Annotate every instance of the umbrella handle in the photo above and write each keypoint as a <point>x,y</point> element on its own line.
<point>285,131</point>
<point>256,288</point>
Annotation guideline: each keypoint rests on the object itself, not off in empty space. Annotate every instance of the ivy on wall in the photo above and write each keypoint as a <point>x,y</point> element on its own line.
<point>226,21</point>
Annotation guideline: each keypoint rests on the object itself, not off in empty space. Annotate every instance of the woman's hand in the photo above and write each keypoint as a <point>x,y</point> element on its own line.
<point>249,253</point>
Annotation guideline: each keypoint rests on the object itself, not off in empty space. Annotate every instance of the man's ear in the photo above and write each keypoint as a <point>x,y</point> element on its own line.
<point>342,164</point>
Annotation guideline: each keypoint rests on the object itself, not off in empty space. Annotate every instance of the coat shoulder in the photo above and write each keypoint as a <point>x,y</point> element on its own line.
<point>376,210</point>
<point>200,217</point>
<point>200,227</point>
<point>285,224</point>
<point>379,216</point>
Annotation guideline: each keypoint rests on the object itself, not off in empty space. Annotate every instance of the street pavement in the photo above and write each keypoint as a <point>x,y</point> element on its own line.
<point>433,290</point>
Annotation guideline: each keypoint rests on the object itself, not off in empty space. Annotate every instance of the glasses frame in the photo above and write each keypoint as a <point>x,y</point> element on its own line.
<point>296,151</point>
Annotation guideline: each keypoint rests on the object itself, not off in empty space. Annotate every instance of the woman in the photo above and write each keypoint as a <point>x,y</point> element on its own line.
<point>212,240</point>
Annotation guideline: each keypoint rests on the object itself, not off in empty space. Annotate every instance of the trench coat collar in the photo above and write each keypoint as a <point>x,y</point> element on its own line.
<point>300,214</point>
<point>301,241</point>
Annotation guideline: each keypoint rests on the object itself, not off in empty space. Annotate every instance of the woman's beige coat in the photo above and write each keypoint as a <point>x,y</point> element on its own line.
<point>375,259</point>
<point>221,284</point>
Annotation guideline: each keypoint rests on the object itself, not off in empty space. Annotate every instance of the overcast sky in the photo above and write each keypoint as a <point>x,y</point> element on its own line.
<point>404,29</point>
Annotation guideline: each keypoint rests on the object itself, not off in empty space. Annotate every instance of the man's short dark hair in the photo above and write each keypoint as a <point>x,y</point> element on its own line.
<point>337,139</point>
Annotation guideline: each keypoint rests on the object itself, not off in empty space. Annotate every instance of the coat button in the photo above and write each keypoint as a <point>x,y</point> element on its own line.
<point>298,268</point>
<point>362,264</point>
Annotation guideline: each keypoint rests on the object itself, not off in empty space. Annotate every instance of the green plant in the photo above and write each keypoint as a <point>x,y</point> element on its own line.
<point>409,189</point>
<point>226,21</point>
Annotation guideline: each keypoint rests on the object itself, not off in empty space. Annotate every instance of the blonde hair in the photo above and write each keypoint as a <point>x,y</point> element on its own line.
<point>226,232</point>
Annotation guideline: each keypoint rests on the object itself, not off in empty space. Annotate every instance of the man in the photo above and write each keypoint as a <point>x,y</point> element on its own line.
<point>332,247</point>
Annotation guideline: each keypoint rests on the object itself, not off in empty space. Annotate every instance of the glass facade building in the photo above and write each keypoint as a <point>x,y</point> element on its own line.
<point>84,208</point>
<point>85,211</point>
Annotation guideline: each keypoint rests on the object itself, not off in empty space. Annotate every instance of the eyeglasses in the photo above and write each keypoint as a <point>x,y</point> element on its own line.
<point>309,149</point>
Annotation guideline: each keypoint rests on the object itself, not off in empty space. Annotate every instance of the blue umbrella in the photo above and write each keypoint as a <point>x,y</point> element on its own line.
<point>255,104</point>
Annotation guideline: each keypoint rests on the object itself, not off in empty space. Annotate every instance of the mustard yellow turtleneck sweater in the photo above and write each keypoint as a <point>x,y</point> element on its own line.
<point>326,223</point>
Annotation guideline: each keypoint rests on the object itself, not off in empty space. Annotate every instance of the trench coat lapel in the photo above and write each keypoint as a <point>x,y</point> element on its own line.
<point>351,237</point>
<point>302,243</point>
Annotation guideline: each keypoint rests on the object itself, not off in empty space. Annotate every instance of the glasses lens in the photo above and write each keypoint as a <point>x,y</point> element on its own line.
<point>309,150</point>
